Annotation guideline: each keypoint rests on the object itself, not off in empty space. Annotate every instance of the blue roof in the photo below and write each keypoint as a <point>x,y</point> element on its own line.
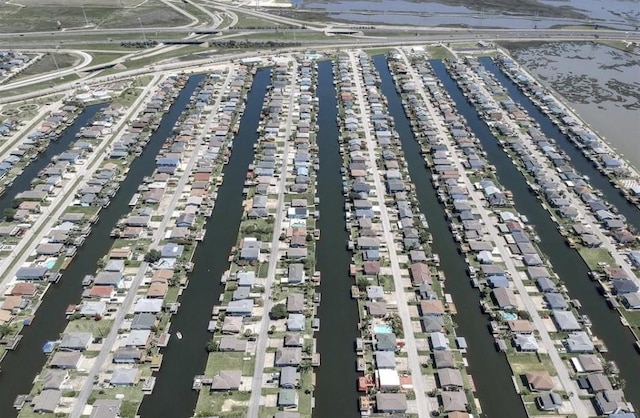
<point>498,281</point>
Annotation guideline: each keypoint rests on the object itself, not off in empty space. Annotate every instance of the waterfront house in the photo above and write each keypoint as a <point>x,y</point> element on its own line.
<point>93,309</point>
<point>432,323</point>
<point>295,322</point>
<point>538,381</point>
<point>450,379</point>
<point>31,273</point>
<point>376,309</point>
<point>288,356</point>
<point>106,408</point>
<point>127,355</point>
<point>240,307</point>
<point>385,359</point>
<point>232,325</point>
<point>556,301</point>
<point>115,266</point>
<point>293,339</point>
<point>46,401</point>
<point>420,273</point>
<point>140,338</point>
<point>295,303</point>
<point>250,249</point>
<point>454,401</point>
<point>391,403</point>
<point>289,377</point>
<point>54,379</point>
<point>545,284</point>
<point>375,293</point>
<point>498,281</point>
<point>76,341</point>
<point>631,300</point>
<point>185,220</point>
<point>505,298</point>
<point>145,305</point>
<point>241,293</point>
<point>49,249</point>
<point>565,321</point>
<point>172,250</point>
<point>587,363</point>
<point>388,379</point>
<point>226,380</point>
<point>124,377</point>
<point>525,342</point>
<point>24,290</point>
<point>623,286</point>
<point>296,274</point>
<point>443,359</point>
<point>439,341</point>
<point>228,343</point>
<point>66,360</point>
<point>144,321</point>
<point>432,307</point>
<point>610,401</point>
<point>597,382</point>
<point>108,278</point>
<point>521,326</point>
<point>579,342</point>
<point>288,398</point>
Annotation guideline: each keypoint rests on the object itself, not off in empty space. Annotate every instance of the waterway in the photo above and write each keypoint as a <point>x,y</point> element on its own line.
<point>186,358</point>
<point>22,182</point>
<point>21,366</point>
<point>489,368</point>
<point>566,262</point>
<point>335,394</point>
<point>581,163</point>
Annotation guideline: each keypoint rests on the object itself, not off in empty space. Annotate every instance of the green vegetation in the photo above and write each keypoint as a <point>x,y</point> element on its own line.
<point>593,256</point>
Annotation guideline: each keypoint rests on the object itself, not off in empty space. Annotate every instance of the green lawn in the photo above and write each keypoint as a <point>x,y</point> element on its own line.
<point>593,256</point>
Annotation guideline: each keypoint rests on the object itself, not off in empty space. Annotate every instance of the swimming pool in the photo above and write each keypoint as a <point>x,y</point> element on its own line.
<point>50,263</point>
<point>382,329</point>
<point>508,316</point>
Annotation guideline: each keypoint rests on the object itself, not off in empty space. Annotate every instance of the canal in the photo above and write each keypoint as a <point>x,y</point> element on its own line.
<point>566,262</point>
<point>186,358</point>
<point>22,182</point>
<point>21,366</point>
<point>490,369</point>
<point>580,162</point>
<point>335,393</point>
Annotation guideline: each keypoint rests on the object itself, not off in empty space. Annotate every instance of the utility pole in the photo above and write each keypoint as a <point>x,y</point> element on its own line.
<point>144,37</point>
<point>86,21</point>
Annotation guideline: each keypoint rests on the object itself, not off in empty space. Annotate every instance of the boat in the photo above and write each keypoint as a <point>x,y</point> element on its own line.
<point>179,335</point>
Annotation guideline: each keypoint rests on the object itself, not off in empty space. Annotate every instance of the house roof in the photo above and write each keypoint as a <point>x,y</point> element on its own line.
<point>454,401</point>
<point>450,377</point>
<point>391,402</point>
<point>385,359</point>
<point>288,356</point>
<point>539,380</point>
<point>106,408</point>
<point>76,340</point>
<point>46,401</point>
<point>443,359</point>
<point>229,343</point>
<point>227,380</point>
<point>124,377</point>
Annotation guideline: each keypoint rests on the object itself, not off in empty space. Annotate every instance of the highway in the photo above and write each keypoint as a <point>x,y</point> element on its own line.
<point>132,292</point>
<point>263,335</point>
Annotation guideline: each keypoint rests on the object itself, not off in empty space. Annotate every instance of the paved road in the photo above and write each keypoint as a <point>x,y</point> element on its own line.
<point>424,406</point>
<point>51,214</point>
<point>132,292</point>
<point>491,228</point>
<point>263,336</point>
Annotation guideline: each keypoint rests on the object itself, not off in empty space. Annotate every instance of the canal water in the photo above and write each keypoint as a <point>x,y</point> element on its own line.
<point>566,262</point>
<point>336,394</point>
<point>186,358</point>
<point>21,366</point>
<point>581,163</point>
<point>490,369</point>
<point>22,182</point>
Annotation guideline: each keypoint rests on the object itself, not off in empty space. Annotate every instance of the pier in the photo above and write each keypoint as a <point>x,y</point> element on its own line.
<point>490,369</point>
<point>183,359</point>
<point>20,366</point>
<point>334,396</point>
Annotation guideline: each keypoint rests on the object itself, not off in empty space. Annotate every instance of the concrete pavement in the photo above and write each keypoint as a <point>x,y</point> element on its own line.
<point>263,336</point>
<point>423,403</point>
<point>53,212</point>
<point>568,384</point>
<point>132,292</point>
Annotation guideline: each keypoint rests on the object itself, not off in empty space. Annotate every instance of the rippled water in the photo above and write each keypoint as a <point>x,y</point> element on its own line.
<point>600,82</point>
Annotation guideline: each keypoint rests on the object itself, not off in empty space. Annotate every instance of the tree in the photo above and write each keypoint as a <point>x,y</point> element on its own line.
<point>362,284</point>
<point>212,345</point>
<point>152,256</point>
<point>9,214</point>
<point>278,311</point>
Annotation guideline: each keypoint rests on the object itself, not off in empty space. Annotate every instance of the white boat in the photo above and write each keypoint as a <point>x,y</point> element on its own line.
<point>179,335</point>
